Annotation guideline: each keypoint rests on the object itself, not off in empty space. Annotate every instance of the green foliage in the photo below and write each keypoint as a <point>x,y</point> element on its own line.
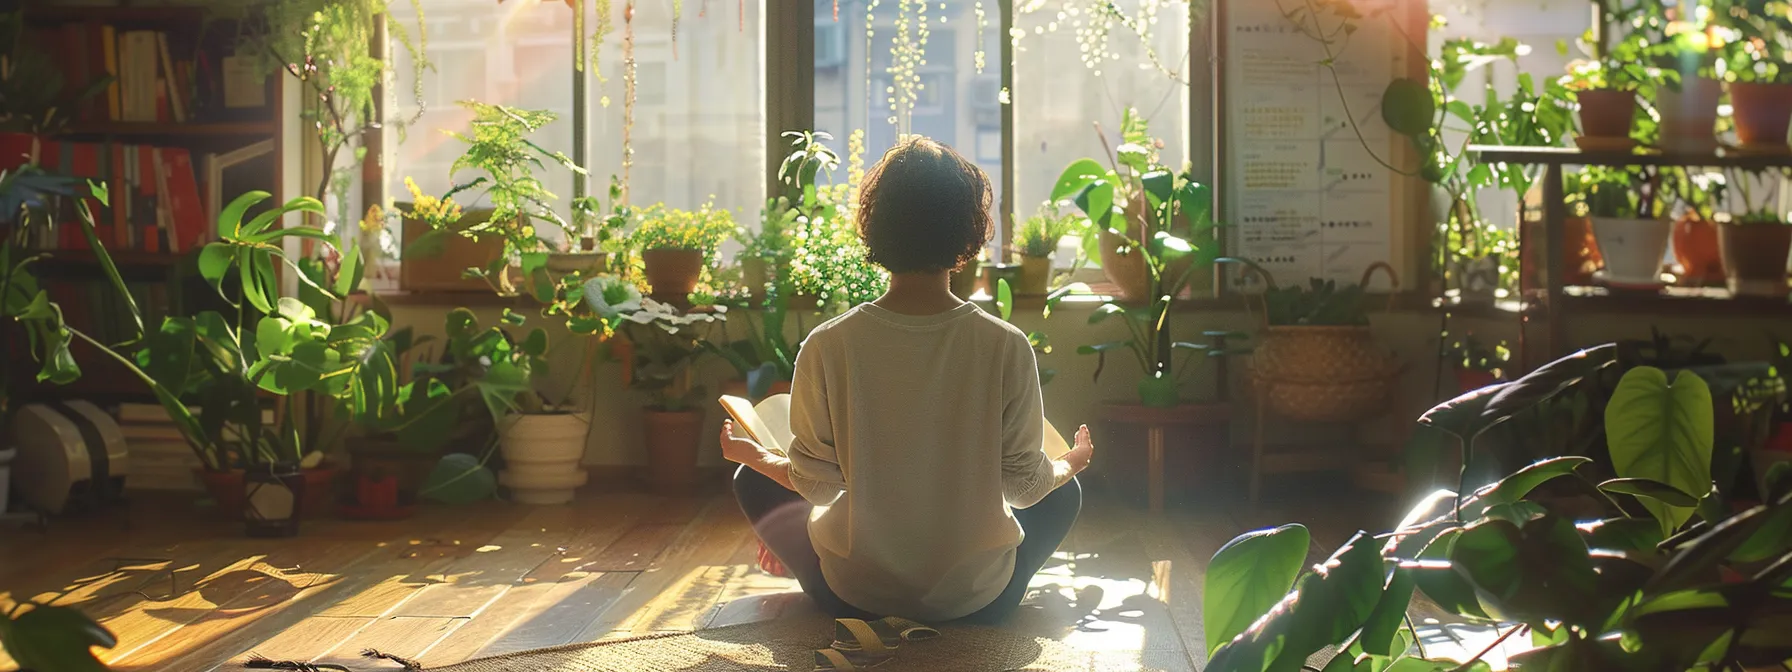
<point>826,259</point>
<point>1321,303</point>
<point>1247,576</point>
<point>498,146</point>
<point>667,228</point>
<point>1174,234</point>
<point>459,478</point>
<point>1037,236</point>
<point>666,346</point>
<point>1470,354</point>
<point>1762,46</point>
<point>45,637</point>
<point>25,193</point>
<point>1622,591</point>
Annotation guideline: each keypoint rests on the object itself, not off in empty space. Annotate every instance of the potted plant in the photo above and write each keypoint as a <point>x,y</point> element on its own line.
<point>589,253</point>
<point>828,269</point>
<point>1036,241</point>
<point>1475,364</point>
<point>662,348</point>
<point>1122,192</point>
<point>1170,261</point>
<point>1755,243</point>
<point>678,246</point>
<point>1689,92</point>
<point>1627,221</point>
<point>1317,360</point>
<point>767,249</point>
<point>1605,90</point>
<point>1756,74</point>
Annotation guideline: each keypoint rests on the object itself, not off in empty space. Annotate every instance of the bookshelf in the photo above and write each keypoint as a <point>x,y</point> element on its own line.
<point>171,64</point>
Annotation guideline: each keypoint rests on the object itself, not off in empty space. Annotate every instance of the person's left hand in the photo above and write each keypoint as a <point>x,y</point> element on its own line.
<point>739,449</point>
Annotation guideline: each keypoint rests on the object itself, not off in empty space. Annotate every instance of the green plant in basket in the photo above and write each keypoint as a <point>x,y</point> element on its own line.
<point>1321,303</point>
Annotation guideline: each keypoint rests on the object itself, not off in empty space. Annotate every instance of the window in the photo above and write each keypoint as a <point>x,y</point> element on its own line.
<point>864,95</point>
<point>698,128</point>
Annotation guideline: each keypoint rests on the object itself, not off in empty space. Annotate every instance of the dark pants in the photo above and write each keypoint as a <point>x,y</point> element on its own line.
<point>781,519</point>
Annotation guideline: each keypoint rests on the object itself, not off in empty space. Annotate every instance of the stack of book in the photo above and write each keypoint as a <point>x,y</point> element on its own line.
<point>153,192</point>
<point>153,82</point>
<point>160,456</point>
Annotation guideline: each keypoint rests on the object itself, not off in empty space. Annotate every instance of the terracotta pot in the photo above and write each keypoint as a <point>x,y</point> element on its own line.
<point>1762,113</point>
<point>1632,248</point>
<point>1035,276</point>
<point>672,439</point>
<point>1689,116</point>
<point>1755,258</point>
<point>964,281</point>
<point>753,274</point>
<point>672,273</point>
<point>1696,250</point>
<point>1607,113</point>
<point>1580,254</point>
<point>226,488</point>
<point>378,460</point>
<point>995,273</point>
<point>541,456</point>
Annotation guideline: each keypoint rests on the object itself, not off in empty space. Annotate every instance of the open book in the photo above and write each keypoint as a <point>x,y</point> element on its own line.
<point>769,424</point>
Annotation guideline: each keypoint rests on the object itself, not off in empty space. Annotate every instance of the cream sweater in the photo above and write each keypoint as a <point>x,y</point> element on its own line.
<point>914,438</point>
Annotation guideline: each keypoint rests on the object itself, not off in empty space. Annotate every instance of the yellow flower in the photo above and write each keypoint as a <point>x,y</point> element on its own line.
<point>374,220</point>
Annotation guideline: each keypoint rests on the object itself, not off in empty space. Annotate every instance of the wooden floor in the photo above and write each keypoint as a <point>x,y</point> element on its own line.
<point>185,591</point>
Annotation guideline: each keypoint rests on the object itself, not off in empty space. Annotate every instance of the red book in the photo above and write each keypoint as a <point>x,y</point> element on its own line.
<point>18,149</point>
<point>185,208</point>
<point>120,196</point>
<point>149,222</point>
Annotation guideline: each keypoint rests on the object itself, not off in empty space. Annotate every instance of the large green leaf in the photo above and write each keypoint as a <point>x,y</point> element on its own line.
<point>214,263</point>
<point>56,639</point>
<point>1621,534</point>
<point>230,221</point>
<point>1407,107</point>
<point>1654,490</point>
<point>1535,572</point>
<point>1247,576</point>
<point>1663,433</point>
<point>459,479</point>
<point>1076,177</point>
<point>1326,606</point>
<point>1380,634</point>
<point>1513,488</point>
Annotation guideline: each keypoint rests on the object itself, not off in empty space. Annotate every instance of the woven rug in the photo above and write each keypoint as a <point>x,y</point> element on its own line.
<point>785,644</point>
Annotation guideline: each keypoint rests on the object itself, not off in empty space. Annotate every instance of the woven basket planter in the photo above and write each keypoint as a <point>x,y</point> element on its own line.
<point>1323,373</point>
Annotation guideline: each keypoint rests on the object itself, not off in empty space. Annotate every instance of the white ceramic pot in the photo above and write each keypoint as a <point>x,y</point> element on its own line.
<point>1633,248</point>
<point>541,456</point>
<point>1689,116</point>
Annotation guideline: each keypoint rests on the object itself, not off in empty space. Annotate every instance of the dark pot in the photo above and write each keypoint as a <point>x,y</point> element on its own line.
<point>1468,380</point>
<point>672,273</point>
<point>273,500</point>
<point>226,488</point>
<point>1160,392</point>
<point>1755,258</point>
<point>1762,112</point>
<point>1607,113</point>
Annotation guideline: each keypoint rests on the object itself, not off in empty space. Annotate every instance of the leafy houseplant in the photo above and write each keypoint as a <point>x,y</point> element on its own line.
<point>1756,70</point>
<point>1642,586</point>
<point>677,247</point>
<point>1755,242</point>
<point>1626,210</point>
<point>39,98</point>
<point>660,349</point>
<point>828,264</point>
<point>1036,240</point>
<point>25,195</point>
<point>1606,90</point>
<point>1476,365</point>
<point>1169,261</point>
<point>1687,99</point>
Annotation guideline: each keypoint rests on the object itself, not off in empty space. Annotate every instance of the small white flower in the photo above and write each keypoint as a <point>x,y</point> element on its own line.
<point>610,297</point>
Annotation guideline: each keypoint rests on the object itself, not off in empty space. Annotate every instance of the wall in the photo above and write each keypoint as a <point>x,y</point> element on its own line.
<point>1075,396</point>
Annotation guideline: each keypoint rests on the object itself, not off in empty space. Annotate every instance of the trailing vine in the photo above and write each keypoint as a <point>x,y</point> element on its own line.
<point>977,57</point>
<point>908,52</point>
<point>628,94</point>
<point>1093,22</point>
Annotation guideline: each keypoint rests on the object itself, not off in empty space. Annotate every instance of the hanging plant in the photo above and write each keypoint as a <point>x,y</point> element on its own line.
<point>977,57</point>
<point>907,54</point>
<point>628,94</point>
<point>1093,22</point>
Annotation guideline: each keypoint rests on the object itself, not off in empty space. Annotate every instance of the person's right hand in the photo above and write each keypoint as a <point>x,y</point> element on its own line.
<point>1080,453</point>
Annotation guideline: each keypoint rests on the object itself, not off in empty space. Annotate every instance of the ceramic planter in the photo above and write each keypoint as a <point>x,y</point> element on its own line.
<point>273,500</point>
<point>1755,258</point>
<point>1035,276</point>
<point>1696,250</point>
<point>541,456</point>
<point>672,439</point>
<point>1159,392</point>
<point>993,274</point>
<point>1607,114</point>
<point>672,272</point>
<point>1632,248</point>
<point>1762,113</point>
<point>1689,116</point>
<point>753,274</point>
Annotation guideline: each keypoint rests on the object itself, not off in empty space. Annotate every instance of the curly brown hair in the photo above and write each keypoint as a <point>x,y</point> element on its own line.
<point>924,208</point>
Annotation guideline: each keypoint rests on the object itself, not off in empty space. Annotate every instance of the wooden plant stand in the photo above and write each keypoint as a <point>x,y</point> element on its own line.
<point>1155,421</point>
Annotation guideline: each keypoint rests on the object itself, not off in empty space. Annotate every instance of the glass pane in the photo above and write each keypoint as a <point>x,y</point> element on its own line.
<point>1068,79</point>
<point>698,132</point>
<point>954,102</point>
